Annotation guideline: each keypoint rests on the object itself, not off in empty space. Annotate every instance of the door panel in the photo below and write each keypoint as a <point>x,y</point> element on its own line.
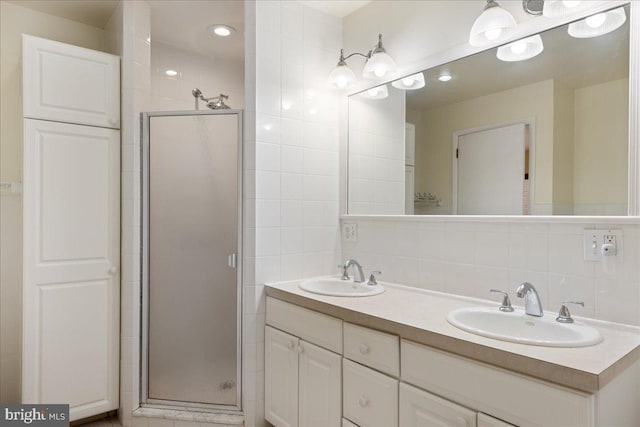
<point>71,261</point>
<point>320,387</point>
<point>490,171</point>
<point>193,230</point>
<point>281,378</point>
<point>70,84</point>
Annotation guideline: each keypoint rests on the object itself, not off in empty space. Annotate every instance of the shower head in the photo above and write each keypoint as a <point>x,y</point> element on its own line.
<point>196,93</point>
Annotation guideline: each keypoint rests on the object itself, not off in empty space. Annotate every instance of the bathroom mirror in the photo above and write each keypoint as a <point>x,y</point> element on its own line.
<point>488,136</point>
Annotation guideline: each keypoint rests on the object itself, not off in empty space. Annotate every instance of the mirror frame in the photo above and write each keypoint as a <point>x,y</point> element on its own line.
<point>527,28</point>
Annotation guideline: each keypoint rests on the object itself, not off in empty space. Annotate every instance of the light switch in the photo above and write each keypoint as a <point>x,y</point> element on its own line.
<point>606,242</point>
<point>350,232</point>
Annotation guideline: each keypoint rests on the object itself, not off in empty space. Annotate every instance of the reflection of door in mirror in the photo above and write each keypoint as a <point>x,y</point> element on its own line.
<point>489,171</point>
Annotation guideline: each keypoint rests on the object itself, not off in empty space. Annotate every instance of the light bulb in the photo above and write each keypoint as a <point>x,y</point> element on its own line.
<point>408,81</point>
<point>341,82</point>
<point>493,34</point>
<point>373,92</point>
<point>379,71</point>
<point>570,3</point>
<point>518,47</point>
<point>596,21</point>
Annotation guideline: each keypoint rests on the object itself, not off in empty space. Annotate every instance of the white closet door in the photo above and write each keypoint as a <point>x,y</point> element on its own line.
<point>70,84</point>
<point>71,277</point>
<point>490,171</point>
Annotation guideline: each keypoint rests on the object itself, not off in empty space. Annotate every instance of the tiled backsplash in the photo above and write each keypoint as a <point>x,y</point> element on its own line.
<point>469,257</point>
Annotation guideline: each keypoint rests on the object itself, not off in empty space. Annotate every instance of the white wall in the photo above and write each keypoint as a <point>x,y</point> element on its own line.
<point>194,71</point>
<point>15,20</point>
<point>601,148</point>
<point>376,154</point>
<point>291,164</point>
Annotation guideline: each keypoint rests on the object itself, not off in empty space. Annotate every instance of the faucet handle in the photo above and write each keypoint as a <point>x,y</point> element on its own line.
<point>372,279</point>
<point>345,274</point>
<point>506,302</point>
<point>564,316</point>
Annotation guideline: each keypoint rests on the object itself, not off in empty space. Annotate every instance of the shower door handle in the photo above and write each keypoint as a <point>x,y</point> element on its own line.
<point>231,260</point>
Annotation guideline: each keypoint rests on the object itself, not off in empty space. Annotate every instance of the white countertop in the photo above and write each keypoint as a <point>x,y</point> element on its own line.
<point>420,315</point>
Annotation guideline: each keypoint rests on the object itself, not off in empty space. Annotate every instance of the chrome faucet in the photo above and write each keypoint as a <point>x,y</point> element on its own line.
<point>358,274</point>
<point>532,304</point>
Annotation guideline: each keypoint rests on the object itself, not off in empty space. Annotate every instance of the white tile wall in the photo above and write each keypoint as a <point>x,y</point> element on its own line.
<point>376,154</point>
<point>291,163</point>
<point>469,257</point>
<point>134,22</point>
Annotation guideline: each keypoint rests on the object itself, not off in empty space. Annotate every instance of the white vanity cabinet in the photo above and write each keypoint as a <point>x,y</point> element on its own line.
<point>303,381</point>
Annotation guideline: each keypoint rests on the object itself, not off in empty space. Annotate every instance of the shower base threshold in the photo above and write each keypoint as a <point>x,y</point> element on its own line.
<point>213,417</point>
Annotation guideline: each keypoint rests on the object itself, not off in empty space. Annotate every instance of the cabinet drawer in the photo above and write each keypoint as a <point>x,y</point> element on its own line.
<point>493,390</point>
<point>421,409</point>
<point>369,398</point>
<point>485,420</point>
<point>317,328</point>
<point>372,348</point>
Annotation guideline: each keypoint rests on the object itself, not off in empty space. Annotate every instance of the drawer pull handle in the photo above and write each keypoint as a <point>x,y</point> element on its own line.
<point>364,349</point>
<point>363,401</point>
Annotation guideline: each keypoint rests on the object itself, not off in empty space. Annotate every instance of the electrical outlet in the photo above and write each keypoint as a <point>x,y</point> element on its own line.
<point>599,243</point>
<point>350,232</point>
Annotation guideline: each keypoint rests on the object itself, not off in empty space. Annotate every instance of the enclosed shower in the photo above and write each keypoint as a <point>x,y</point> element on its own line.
<point>191,228</point>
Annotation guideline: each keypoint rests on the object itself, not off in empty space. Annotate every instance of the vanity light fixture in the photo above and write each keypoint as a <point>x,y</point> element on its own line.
<point>221,30</point>
<point>378,92</point>
<point>412,82</point>
<point>493,25</point>
<point>378,64</point>
<point>521,50</point>
<point>598,24</point>
<point>445,77</point>
<point>555,8</point>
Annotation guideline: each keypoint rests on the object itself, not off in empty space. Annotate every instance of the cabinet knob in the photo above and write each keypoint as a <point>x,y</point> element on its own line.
<point>113,270</point>
<point>363,401</point>
<point>364,349</point>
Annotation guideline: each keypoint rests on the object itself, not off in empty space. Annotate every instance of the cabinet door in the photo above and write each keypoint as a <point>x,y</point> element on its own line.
<point>320,387</point>
<point>485,420</point>
<point>281,378</point>
<point>71,282</point>
<point>369,397</point>
<point>71,84</point>
<point>421,409</point>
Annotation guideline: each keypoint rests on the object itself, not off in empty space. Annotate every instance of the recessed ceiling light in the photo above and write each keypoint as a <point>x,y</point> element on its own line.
<point>445,78</point>
<point>171,73</point>
<point>222,30</point>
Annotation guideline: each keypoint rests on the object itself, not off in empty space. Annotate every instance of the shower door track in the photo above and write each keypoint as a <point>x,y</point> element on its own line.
<point>145,401</point>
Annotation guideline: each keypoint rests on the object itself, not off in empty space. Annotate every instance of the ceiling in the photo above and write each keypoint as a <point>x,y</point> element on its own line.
<point>573,62</point>
<point>90,12</point>
<point>339,8</point>
<point>183,24</point>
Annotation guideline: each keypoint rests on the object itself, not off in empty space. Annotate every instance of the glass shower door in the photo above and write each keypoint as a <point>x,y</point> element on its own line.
<point>192,226</point>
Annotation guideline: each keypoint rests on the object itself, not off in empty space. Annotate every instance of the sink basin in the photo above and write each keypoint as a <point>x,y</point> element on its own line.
<point>340,288</point>
<point>521,328</point>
